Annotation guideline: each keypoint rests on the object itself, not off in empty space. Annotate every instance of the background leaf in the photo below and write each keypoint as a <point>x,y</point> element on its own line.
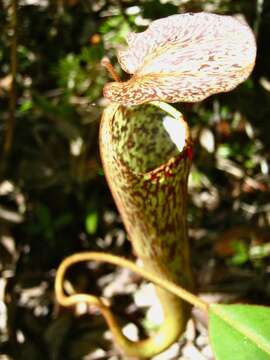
<point>240,332</point>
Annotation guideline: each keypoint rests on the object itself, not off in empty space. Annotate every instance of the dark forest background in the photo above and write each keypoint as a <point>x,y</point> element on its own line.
<point>54,199</point>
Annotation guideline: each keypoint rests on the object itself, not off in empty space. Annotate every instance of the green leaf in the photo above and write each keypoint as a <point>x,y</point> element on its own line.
<point>240,332</point>
<point>26,105</point>
<point>241,255</point>
<point>91,222</point>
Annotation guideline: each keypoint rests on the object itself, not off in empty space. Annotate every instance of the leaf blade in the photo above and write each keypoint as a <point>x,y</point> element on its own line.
<point>241,331</point>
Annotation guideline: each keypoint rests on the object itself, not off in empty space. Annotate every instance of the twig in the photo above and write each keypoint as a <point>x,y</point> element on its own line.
<point>9,131</point>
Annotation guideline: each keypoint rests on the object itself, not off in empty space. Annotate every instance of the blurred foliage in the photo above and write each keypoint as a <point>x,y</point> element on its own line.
<point>53,196</point>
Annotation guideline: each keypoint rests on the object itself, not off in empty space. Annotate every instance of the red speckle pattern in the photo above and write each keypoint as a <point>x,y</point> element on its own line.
<point>185,57</point>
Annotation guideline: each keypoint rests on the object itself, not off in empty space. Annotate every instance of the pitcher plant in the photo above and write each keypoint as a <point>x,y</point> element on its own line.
<point>146,152</point>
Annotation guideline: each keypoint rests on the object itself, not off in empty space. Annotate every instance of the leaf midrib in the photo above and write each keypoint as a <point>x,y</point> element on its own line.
<point>258,341</point>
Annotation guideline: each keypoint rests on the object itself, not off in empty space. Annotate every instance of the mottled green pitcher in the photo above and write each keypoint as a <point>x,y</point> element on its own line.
<point>147,173</point>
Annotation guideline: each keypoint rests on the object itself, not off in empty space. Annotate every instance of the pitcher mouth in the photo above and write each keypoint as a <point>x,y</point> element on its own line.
<point>146,137</point>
